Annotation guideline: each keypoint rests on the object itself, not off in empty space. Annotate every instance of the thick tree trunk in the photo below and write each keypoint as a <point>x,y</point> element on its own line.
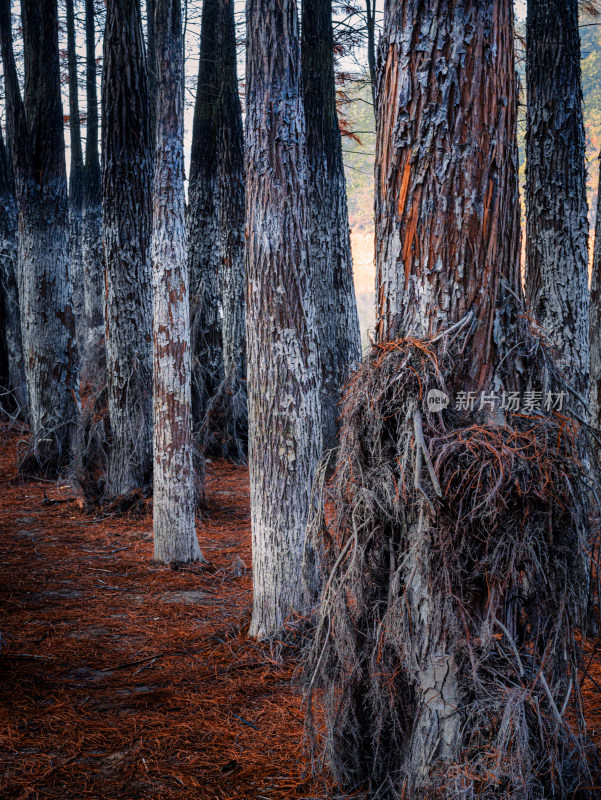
<point>203,224</point>
<point>370,21</point>
<point>556,205</point>
<point>595,321</point>
<point>76,187</point>
<point>447,211</point>
<point>35,128</point>
<point>91,248</point>
<point>152,64</point>
<point>173,496</point>
<point>283,368</point>
<point>447,234</point>
<point>127,213</point>
<point>11,314</point>
<point>339,338</point>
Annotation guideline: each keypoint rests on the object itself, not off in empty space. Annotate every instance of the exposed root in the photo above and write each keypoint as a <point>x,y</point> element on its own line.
<point>223,432</point>
<point>455,572</point>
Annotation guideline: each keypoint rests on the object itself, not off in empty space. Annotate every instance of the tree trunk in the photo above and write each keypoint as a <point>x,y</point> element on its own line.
<point>223,430</point>
<point>370,17</point>
<point>203,224</point>
<point>556,204</point>
<point>152,65</point>
<point>11,329</point>
<point>91,255</point>
<point>173,496</point>
<point>283,368</point>
<point>35,128</point>
<point>456,541</point>
<point>127,215</point>
<point>231,196</point>
<point>595,321</point>
<point>76,187</point>
<point>338,334</point>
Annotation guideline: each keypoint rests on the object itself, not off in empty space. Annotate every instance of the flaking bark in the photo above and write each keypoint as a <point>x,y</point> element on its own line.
<point>127,213</point>
<point>173,494</point>
<point>283,377</point>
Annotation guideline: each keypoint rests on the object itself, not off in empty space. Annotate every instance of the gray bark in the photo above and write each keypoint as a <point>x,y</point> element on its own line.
<point>126,193</point>
<point>231,197</point>
<point>91,245</point>
<point>283,368</point>
<point>339,337</point>
<point>173,495</point>
<point>556,205</point>
<point>76,187</point>
<point>203,223</point>
<point>9,290</point>
<point>35,129</point>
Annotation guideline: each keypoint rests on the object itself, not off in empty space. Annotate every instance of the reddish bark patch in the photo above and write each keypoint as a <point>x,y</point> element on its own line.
<point>123,679</point>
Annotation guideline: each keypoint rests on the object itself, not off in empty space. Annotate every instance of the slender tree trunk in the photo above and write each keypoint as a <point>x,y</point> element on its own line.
<point>151,58</point>
<point>10,293</point>
<point>339,337</point>
<point>76,186</point>
<point>231,197</point>
<point>283,368</point>
<point>556,205</point>
<point>219,299</point>
<point>203,224</point>
<point>35,127</point>
<point>370,17</point>
<point>91,255</point>
<point>595,321</point>
<point>127,213</point>
<point>173,497</point>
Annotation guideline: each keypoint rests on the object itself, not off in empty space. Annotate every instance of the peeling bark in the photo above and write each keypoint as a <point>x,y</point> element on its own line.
<point>556,204</point>
<point>11,315</point>
<point>173,496</point>
<point>339,337</point>
<point>447,209</point>
<point>35,129</point>
<point>447,243</point>
<point>127,213</point>
<point>203,224</point>
<point>283,367</point>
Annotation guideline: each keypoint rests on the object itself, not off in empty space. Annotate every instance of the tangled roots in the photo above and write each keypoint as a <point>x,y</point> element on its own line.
<point>455,574</point>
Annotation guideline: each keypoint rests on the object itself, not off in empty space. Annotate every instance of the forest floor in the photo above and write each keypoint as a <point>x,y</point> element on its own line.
<point>123,679</point>
<point>120,679</point>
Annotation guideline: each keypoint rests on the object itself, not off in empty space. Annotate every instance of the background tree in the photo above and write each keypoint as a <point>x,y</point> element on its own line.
<point>331,260</point>
<point>173,496</point>
<point>11,328</point>
<point>224,431</point>
<point>76,184</point>
<point>91,249</point>
<point>203,224</point>
<point>283,382</point>
<point>556,204</point>
<point>595,322</point>
<point>127,220</point>
<point>455,558</point>
<point>35,131</point>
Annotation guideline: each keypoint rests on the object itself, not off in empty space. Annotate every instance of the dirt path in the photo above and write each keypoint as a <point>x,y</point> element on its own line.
<point>120,679</point>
